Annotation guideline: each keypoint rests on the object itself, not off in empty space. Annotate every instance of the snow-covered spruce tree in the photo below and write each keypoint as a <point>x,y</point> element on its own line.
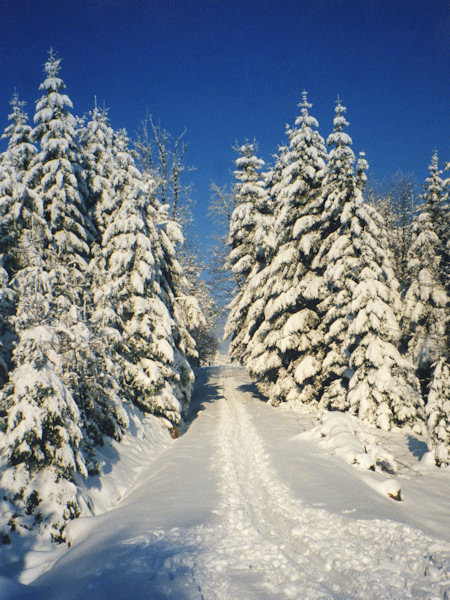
<point>171,277</point>
<point>60,184</point>
<point>7,185</point>
<point>59,180</point>
<point>19,210</point>
<point>362,369</point>
<point>15,162</point>
<point>426,318</point>
<point>249,197</point>
<point>383,389</point>
<point>40,444</point>
<point>253,300</point>
<point>445,232</point>
<point>57,177</point>
<point>40,454</point>
<point>132,302</point>
<point>255,297</point>
<point>248,230</point>
<point>438,412</point>
<point>335,261</point>
<point>102,404</point>
<point>7,309</point>
<point>434,192</point>
<point>436,199</point>
<point>97,148</point>
<point>284,355</point>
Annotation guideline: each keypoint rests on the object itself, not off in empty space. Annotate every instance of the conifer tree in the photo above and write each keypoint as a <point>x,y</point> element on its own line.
<point>132,302</point>
<point>249,227</point>
<point>445,231</point>
<point>250,197</point>
<point>26,214</point>
<point>100,391</point>
<point>7,309</point>
<point>59,181</point>
<point>426,314</point>
<point>97,144</point>
<point>17,212</point>
<point>254,297</point>
<point>362,369</point>
<point>43,438</point>
<point>438,412</point>
<point>283,353</point>
<point>383,389</point>
<point>7,181</point>
<point>435,198</point>
<point>184,311</point>
<point>14,165</point>
<point>57,164</point>
<point>335,261</point>
<point>42,441</point>
<point>57,172</point>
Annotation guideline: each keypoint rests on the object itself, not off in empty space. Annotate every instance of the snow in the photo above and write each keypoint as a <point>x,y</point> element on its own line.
<point>308,367</point>
<point>253,503</point>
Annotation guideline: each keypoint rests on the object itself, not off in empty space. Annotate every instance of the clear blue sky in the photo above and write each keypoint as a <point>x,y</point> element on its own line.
<point>235,69</point>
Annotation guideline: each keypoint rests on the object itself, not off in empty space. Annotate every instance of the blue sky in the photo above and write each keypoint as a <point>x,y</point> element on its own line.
<point>235,69</point>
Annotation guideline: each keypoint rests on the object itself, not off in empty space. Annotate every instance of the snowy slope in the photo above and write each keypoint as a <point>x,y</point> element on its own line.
<point>254,502</point>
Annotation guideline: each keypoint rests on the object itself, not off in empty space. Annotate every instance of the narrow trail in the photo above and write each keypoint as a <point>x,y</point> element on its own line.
<point>215,518</point>
<point>259,518</point>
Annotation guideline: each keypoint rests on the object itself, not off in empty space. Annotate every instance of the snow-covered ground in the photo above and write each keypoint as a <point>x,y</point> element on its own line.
<point>254,502</point>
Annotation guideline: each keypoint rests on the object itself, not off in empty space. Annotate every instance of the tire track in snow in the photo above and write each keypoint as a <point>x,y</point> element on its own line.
<point>294,551</point>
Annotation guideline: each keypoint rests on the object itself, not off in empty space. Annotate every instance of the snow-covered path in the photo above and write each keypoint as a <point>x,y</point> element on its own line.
<point>301,552</point>
<point>240,508</point>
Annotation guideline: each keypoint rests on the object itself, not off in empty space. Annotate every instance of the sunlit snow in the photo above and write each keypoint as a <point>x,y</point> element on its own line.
<point>253,503</point>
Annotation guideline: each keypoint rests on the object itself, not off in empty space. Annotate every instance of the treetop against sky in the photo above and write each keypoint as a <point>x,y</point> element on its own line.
<point>235,69</point>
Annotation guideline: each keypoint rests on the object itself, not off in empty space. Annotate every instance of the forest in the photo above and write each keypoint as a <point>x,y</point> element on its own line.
<point>339,293</point>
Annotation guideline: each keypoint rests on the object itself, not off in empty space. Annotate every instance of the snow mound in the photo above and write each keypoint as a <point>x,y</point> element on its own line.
<point>387,487</point>
<point>347,437</point>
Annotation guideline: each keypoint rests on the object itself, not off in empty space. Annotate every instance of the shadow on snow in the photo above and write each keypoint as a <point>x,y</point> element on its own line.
<point>417,447</point>
<point>205,392</point>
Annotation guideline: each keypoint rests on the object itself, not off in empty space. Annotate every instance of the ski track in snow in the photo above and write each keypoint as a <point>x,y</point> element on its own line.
<point>270,546</point>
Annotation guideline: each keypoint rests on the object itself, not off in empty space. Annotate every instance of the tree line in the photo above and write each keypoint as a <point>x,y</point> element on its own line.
<point>102,307</point>
<point>341,297</point>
